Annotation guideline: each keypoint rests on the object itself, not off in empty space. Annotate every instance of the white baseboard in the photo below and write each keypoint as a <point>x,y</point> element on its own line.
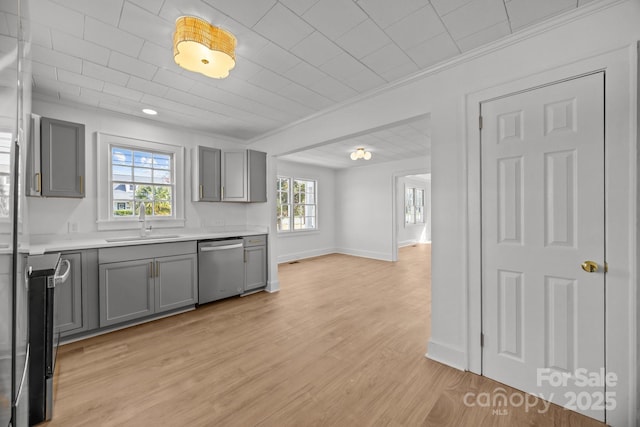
<point>407,243</point>
<point>306,254</point>
<point>382,256</point>
<point>273,287</point>
<point>446,355</point>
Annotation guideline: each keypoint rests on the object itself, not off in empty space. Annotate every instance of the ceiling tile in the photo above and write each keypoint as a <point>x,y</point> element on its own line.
<point>485,36</point>
<point>160,56</point>
<point>445,6</point>
<point>56,59</point>
<point>364,80</point>
<point>58,17</point>
<point>342,66</point>
<point>173,80</point>
<point>416,28</point>
<point>80,80</point>
<point>403,69</point>
<point>473,17</point>
<point>152,6</point>
<point>55,85</point>
<point>145,24</point>
<point>333,18</point>
<point>44,70</point>
<point>304,96</point>
<point>132,66</point>
<point>275,58</point>
<point>434,50</point>
<point>246,12</point>
<point>79,48</point>
<point>385,12</point>
<point>283,27</point>
<point>299,6</point>
<point>112,37</point>
<point>103,73</point>
<point>386,58</point>
<point>269,80</point>
<point>316,49</point>
<point>147,87</point>
<point>42,36</point>
<point>333,89</point>
<point>363,39</point>
<point>122,92</point>
<point>106,11</point>
<point>523,13</point>
<point>304,74</point>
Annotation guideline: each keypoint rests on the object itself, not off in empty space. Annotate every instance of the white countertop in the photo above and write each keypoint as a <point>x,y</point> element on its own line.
<point>40,244</point>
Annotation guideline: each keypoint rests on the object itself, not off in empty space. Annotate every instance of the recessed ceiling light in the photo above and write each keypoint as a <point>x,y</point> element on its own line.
<point>149,111</point>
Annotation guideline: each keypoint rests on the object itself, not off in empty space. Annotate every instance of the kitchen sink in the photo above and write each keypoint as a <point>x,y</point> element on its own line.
<point>141,238</point>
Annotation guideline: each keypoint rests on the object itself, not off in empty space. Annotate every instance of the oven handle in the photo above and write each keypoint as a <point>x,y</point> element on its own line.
<point>220,248</point>
<point>58,280</point>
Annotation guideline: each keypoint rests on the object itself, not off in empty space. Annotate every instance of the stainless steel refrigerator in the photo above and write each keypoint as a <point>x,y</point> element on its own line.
<point>15,108</point>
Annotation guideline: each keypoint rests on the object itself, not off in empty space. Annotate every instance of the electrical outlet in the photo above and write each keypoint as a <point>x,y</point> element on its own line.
<point>72,227</point>
<point>217,222</point>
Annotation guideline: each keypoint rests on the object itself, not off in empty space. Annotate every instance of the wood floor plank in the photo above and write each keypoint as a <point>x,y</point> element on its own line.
<point>342,344</point>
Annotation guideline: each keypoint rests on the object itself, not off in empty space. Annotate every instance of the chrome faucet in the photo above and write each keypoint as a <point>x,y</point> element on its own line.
<point>142,218</point>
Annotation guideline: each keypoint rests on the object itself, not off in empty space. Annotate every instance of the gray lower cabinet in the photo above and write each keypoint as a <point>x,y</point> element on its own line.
<point>70,298</point>
<point>255,262</point>
<point>176,281</point>
<point>141,287</point>
<point>126,291</point>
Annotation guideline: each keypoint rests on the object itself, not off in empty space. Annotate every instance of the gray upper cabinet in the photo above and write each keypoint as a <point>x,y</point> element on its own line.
<point>206,162</point>
<point>70,295</point>
<point>257,181</point>
<point>234,176</point>
<point>62,158</point>
<point>229,175</point>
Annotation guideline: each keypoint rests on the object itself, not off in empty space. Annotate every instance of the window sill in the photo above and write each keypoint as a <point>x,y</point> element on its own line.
<point>130,224</point>
<point>300,233</point>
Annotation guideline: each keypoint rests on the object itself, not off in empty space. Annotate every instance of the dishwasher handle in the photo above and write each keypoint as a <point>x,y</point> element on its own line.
<point>220,248</point>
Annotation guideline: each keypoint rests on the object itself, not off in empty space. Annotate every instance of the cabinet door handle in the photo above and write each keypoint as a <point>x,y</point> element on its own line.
<point>201,191</point>
<point>157,269</point>
<point>222,193</point>
<point>81,184</point>
<point>151,269</point>
<point>38,183</point>
<point>245,256</point>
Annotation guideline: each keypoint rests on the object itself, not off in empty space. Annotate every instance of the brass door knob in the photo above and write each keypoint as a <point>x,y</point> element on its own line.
<point>589,266</point>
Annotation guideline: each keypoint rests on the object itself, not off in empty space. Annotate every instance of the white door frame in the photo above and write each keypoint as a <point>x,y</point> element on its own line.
<point>396,208</point>
<point>620,68</point>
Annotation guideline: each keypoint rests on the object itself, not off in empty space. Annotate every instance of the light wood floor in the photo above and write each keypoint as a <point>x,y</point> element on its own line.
<point>342,344</point>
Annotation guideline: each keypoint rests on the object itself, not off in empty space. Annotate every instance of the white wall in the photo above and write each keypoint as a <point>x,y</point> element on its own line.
<point>409,234</point>
<point>292,246</point>
<point>365,205</point>
<point>52,215</point>
<point>598,27</point>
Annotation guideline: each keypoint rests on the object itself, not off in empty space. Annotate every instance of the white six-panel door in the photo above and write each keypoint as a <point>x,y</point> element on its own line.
<point>542,218</point>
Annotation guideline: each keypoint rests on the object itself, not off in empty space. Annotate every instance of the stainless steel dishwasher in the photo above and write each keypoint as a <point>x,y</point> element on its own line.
<point>220,269</point>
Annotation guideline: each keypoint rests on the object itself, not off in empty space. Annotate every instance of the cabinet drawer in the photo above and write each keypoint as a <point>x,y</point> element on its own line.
<point>259,240</point>
<point>128,253</point>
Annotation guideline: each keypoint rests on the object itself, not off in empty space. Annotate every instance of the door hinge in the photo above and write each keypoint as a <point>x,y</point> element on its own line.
<point>480,122</point>
<point>481,339</point>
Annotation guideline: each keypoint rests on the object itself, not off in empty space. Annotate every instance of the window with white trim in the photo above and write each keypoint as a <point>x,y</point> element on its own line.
<point>296,204</point>
<point>414,205</point>
<point>141,176</point>
<point>133,171</point>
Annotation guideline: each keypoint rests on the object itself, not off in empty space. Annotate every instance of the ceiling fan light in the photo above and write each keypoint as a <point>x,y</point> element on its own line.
<point>203,48</point>
<point>367,155</point>
<point>354,156</point>
<point>360,153</point>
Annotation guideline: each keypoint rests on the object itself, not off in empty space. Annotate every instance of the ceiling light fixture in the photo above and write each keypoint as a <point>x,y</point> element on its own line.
<point>200,47</point>
<point>360,154</point>
<point>149,111</point>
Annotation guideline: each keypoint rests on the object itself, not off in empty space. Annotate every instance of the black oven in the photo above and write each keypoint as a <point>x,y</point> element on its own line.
<point>44,275</point>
